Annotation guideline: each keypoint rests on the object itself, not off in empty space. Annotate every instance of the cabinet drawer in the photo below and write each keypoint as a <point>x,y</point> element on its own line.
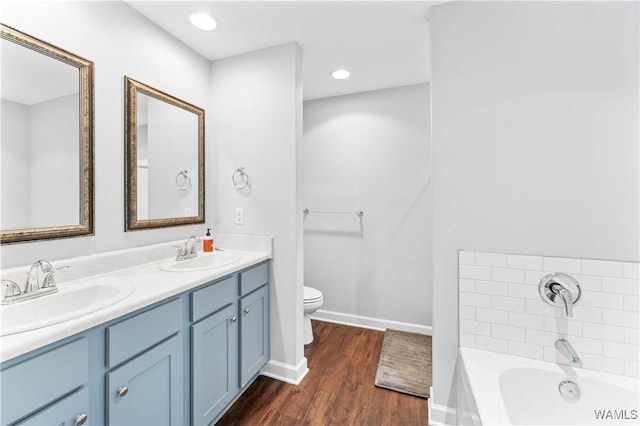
<point>134,335</point>
<point>212,298</point>
<point>253,278</point>
<point>64,412</point>
<point>38,381</point>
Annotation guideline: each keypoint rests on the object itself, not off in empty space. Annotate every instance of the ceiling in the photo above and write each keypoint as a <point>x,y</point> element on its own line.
<point>383,43</point>
<point>23,69</point>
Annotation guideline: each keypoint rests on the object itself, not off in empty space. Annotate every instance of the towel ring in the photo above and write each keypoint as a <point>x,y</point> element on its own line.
<point>240,179</point>
<point>183,181</point>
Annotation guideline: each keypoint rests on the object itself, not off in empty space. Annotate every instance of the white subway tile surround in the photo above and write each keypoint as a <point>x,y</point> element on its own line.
<point>501,310</point>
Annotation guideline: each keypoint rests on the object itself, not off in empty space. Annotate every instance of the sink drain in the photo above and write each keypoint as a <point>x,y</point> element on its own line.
<point>569,389</point>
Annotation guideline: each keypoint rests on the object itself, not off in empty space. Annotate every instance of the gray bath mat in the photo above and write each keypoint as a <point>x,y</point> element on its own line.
<point>405,363</point>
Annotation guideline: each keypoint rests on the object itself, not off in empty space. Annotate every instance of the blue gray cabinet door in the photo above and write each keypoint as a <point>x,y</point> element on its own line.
<point>254,333</point>
<point>149,389</point>
<point>214,364</point>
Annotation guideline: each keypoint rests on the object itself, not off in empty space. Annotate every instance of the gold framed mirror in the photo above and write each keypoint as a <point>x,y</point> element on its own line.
<point>47,169</point>
<point>164,155</point>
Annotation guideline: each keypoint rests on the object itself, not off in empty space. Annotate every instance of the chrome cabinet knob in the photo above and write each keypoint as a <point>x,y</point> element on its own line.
<point>246,311</point>
<point>123,391</point>
<point>80,419</point>
<point>234,319</point>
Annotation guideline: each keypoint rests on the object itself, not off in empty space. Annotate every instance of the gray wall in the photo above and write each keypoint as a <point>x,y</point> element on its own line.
<point>256,111</point>
<point>535,141</point>
<point>369,151</point>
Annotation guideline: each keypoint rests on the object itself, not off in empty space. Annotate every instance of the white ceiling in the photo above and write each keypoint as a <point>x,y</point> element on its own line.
<point>383,43</point>
<point>29,77</point>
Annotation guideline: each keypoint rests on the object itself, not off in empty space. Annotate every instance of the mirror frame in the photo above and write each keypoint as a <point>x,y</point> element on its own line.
<point>86,161</point>
<point>132,223</point>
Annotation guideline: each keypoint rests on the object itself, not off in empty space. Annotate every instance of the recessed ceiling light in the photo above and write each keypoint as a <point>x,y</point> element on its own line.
<point>340,74</point>
<point>203,21</point>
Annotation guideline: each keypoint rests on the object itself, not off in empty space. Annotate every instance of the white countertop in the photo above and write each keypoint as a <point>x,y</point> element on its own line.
<point>150,285</point>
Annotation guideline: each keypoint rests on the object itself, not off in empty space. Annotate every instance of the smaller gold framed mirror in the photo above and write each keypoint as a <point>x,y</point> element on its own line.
<point>164,155</point>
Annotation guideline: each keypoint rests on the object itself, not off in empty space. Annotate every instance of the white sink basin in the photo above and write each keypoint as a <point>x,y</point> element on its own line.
<point>68,303</point>
<point>201,263</point>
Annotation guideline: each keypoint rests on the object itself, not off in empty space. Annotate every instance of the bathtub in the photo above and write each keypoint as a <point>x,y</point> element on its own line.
<point>495,388</point>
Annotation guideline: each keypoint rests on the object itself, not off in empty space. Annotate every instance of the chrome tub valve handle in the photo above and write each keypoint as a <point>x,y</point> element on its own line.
<point>560,290</point>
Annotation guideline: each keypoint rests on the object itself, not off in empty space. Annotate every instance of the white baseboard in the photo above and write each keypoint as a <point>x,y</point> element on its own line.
<point>287,373</point>
<point>368,322</point>
<point>439,415</point>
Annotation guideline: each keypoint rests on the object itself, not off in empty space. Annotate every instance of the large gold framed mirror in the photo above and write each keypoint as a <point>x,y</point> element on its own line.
<point>46,142</point>
<point>164,154</point>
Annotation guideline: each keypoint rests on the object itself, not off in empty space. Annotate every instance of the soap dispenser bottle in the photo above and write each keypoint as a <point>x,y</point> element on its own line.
<point>207,242</point>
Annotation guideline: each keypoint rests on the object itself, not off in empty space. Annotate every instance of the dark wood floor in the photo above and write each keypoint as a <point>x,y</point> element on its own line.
<point>338,390</point>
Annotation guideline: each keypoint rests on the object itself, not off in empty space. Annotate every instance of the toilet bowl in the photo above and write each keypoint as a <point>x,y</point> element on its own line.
<point>312,302</point>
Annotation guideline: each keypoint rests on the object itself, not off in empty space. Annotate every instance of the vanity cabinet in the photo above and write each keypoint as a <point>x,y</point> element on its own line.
<point>214,364</point>
<point>254,321</point>
<point>231,345</point>
<point>64,369</point>
<point>148,390</point>
<point>69,411</point>
<point>198,349</point>
<point>254,333</point>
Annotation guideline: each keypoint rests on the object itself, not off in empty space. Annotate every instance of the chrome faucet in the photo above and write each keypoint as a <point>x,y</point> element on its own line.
<point>33,282</point>
<point>564,347</point>
<point>189,250</point>
<point>32,289</point>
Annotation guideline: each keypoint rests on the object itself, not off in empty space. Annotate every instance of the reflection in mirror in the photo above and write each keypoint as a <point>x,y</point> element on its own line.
<point>165,159</point>
<point>46,170</point>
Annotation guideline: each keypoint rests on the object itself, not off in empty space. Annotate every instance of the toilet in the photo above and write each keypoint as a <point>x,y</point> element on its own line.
<point>312,302</point>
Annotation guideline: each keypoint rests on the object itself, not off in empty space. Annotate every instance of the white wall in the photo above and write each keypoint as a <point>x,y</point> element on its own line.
<point>501,309</point>
<point>369,151</point>
<point>16,163</point>
<point>172,146</point>
<point>120,42</point>
<point>535,141</point>
<point>36,139</point>
<point>256,105</point>
<point>54,140</point>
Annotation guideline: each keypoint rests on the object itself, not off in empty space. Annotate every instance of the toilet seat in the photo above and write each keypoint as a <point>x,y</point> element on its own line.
<point>311,295</point>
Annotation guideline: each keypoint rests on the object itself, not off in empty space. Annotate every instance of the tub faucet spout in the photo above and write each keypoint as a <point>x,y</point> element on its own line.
<point>564,347</point>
